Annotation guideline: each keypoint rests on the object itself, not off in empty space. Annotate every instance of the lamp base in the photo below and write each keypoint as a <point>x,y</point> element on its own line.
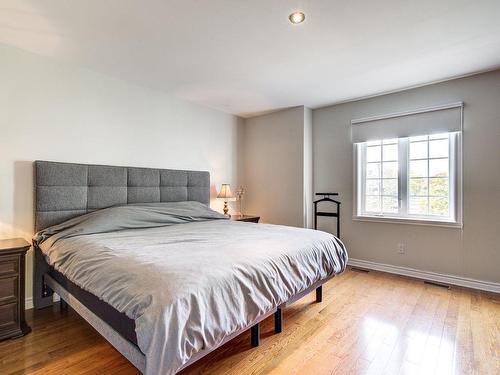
<point>226,209</point>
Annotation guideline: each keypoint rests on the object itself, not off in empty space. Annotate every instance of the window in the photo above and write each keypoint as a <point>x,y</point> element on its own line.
<point>381,177</point>
<point>429,171</point>
<point>411,178</point>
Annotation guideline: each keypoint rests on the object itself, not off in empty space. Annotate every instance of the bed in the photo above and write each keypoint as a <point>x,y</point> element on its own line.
<point>138,253</point>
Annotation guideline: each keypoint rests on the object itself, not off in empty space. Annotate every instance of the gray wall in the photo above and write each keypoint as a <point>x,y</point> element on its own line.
<point>472,252</point>
<point>272,152</point>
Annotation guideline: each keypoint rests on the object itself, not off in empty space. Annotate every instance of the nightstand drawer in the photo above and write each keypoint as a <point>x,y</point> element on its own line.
<point>9,289</point>
<point>9,265</point>
<point>9,318</point>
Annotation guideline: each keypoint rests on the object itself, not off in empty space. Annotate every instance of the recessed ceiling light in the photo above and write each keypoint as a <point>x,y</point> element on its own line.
<point>297,17</point>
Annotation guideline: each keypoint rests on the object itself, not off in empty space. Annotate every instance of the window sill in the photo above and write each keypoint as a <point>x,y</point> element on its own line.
<point>407,221</point>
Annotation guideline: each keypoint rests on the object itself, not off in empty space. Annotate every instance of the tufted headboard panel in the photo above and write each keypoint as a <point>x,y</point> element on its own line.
<point>66,190</point>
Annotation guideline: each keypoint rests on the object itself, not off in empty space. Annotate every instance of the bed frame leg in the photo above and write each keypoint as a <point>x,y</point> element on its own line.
<point>278,320</point>
<point>319,294</point>
<point>255,335</point>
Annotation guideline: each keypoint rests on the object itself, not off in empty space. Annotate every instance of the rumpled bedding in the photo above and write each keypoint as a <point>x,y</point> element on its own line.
<point>186,275</point>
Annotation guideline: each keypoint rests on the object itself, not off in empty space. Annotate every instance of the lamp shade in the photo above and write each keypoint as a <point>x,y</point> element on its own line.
<point>225,191</point>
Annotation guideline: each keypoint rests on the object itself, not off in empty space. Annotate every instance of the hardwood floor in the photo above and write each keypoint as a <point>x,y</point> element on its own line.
<point>368,323</point>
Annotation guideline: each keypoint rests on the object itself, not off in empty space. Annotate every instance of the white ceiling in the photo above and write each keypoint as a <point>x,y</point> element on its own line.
<point>244,57</point>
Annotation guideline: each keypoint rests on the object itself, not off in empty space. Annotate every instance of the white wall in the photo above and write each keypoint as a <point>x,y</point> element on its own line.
<point>473,252</point>
<point>273,166</point>
<point>53,111</point>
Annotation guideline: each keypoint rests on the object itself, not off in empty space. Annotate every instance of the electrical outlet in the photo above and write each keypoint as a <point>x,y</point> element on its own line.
<point>401,248</point>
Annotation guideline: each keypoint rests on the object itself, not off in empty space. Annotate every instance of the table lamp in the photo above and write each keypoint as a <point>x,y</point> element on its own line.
<point>225,193</point>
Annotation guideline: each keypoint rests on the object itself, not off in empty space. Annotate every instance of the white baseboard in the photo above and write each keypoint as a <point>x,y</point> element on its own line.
<point>427,275</point>
<point>28,302</point>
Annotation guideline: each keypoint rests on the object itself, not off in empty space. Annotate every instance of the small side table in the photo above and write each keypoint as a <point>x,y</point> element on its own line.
<point>12,276</point>
<point>247,218</point>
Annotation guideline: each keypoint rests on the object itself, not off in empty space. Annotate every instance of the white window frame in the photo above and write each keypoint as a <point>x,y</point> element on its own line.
<point>455,184</point>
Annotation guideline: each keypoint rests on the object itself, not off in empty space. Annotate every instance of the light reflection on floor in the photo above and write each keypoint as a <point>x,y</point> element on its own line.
<point>409,347</point>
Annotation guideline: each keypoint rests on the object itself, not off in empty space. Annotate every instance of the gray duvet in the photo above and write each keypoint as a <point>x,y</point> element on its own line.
<point>186,275</point>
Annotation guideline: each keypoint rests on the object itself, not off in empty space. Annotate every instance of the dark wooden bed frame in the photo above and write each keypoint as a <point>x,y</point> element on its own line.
<point>50,175</point>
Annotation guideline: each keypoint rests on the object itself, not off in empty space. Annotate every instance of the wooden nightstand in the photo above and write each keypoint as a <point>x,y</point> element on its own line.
<point>12,254</point>
<point>247,218</point>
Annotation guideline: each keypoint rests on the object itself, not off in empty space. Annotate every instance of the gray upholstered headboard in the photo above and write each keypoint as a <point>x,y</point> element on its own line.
<point>65,190</point>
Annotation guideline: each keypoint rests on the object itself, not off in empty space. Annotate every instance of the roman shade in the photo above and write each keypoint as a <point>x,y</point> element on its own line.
<point>442,119</point>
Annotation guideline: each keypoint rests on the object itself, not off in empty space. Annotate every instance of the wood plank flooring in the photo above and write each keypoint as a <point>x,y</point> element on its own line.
<point>368,323</point>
